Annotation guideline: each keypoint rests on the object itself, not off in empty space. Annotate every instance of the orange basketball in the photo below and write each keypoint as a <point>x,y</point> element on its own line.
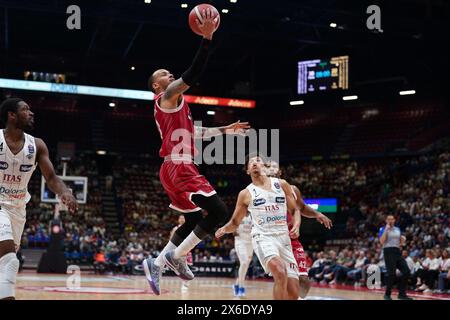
<point>196,13</point>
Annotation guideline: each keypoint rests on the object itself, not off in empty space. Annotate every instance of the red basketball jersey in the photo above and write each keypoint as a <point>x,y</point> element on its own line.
<point>176,128</point>
<point>289,221</point>
<point>289,216</point>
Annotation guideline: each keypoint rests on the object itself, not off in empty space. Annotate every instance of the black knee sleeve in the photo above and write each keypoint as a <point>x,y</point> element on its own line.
<point>191,220</point>
<point>217,214</point>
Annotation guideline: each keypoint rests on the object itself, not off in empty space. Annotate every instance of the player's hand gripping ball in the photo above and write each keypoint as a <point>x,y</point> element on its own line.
<point>199,14</point>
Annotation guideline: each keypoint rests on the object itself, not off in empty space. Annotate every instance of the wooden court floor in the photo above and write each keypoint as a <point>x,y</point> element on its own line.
<point>33,286</point>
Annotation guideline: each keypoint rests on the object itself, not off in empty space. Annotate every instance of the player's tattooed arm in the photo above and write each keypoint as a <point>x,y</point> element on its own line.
<point>206,133</point>
<point>307,211</point>
<point>292,208</point>
<point>54,183</point>
<point>239,213</point>
<point>238,127</point>
<point>171,96</point>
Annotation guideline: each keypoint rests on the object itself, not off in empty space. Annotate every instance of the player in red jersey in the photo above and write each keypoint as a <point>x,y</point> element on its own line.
<point>188,191</point>
<point>273,170</point>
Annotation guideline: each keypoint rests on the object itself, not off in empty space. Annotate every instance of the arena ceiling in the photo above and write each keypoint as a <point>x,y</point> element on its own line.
<point>256,47</point>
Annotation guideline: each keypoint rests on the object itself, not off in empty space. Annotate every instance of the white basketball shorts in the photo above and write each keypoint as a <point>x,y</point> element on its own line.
<point>267,247</point>
<point>12,222</point>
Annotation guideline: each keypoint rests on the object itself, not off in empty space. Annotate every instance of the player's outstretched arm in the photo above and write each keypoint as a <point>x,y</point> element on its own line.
<point>237,127</point>
<point>54,183</point>
<point>309,212</point>
<point>239,213</point>
<point>191,75</point>
<point>292,208</point>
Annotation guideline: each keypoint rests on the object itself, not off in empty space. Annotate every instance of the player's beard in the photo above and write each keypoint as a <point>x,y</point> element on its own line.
<point>25,125</point>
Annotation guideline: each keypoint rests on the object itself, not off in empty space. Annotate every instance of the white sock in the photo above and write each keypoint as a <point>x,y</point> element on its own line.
<point>9,266</point>
<point>159,262</point>
<point>187,245</point>
<point>242,273</point>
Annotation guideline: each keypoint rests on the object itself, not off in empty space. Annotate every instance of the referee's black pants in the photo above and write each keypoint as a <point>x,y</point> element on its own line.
<point>394,260</point>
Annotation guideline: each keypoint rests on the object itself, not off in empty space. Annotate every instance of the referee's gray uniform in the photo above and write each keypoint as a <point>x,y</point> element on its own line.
<point>394,260</point>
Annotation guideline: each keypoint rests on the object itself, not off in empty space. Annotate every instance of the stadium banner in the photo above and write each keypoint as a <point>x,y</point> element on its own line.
<point>202,269</point>
<point>323,205</point>
<point>224,102</point>
<point>75,89</point>
<point>117,93</point>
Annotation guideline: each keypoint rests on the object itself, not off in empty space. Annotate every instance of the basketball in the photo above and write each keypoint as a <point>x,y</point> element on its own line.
<point>196,14</point>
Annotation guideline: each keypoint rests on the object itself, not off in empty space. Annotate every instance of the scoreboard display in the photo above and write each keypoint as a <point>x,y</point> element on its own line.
<point>322,75</point>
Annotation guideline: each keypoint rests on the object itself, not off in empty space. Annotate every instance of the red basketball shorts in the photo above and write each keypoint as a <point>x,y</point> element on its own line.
<point>181,180</point>
<point>299,255</point>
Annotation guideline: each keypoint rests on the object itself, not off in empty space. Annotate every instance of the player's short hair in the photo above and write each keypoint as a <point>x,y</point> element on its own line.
<point>9,105</point>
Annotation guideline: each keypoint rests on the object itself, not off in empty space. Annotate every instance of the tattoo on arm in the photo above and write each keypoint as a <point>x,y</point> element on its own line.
<point>206,133</point>
<point>173,91</point>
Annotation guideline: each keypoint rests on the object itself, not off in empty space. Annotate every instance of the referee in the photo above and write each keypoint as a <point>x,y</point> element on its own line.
<point>391,240</point>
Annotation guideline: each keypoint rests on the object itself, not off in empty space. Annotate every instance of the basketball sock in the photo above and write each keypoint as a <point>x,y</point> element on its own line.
<point>159,262</point>
<point>9,266</point>
<point>242,273</point>
<point>187,245</point>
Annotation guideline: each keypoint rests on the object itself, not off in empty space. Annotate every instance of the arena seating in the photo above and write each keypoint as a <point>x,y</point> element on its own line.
<point>367,187</point>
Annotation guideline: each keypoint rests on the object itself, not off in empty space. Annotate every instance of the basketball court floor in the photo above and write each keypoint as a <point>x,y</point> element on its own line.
<point>33,286</point>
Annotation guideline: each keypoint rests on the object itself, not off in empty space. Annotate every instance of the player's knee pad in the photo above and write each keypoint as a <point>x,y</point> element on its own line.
<point>191,220</point>
<point>217,211</point>
<point>9,266</point>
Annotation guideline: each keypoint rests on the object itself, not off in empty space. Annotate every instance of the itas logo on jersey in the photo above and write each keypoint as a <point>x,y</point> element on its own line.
<point>11,178</point>
<point>271,208</point>
<point>25,167</point>
<point>258,202</point>
<point>3,165</point>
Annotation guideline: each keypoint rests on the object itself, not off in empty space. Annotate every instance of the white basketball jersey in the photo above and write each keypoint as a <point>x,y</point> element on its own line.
<point>244,231</point>
<point>268,209</point>
<point>16,171</point>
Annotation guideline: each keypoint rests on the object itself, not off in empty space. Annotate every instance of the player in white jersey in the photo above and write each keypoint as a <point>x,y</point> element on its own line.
<point>244,250</point>
<point>273,170</point>
<point>268,200</point>
<point>19,154</point>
